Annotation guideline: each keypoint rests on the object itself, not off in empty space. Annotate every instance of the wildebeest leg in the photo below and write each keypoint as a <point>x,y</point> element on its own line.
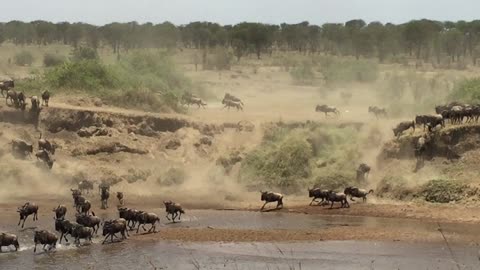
<point>179,216</point>
<point>168,217</point>
<point>24,221</point>
<point>312,201</point>
<point>61,236</point>
<point>138,228</point>
<point>105,240</point>
<point>36,216</point>
<point>174,216</point>
<point>263,206</point>
<point>346,202</point>
<point>35,248</point>
<point>331,206</point>
<point>364,198</point>
<point>19,221</point>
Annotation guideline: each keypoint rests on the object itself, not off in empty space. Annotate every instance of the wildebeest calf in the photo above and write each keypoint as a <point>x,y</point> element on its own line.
<point>269,197</point>
<point>44,238</point>
<point>27,210</point>
<point>7,239</point>
<point>173,209</point>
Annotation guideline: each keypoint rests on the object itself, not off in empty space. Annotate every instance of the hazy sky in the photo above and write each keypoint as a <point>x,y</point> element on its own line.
<point>234,11</point>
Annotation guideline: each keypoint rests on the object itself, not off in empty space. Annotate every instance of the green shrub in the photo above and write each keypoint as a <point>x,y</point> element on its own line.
<point>84,53</point>
<point>51,60</point>
<point>24,58</point>
<point>467,90</point>
<point>444,191</point>
<point>336,70</point>
<point>85,75</point>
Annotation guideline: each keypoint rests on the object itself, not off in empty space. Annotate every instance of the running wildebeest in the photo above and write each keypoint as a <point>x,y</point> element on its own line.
<point>111,227</point>
<point>362,172</point>
<point>44,144</point>
<point>90,221</point>
<point>233,98</point>
<point>82,232</point>
<point>402,126</point>
<point>269,197</point>
<point>35,103</point>
<point>85,186</point>
<point>194,101</point>
<point>8,239</point>
<point>338,197</point>
<point>77,198</point>
<point>357,193</point>
<point>232,104</point>
<point>45,98</point>
<point>147,218</point>
<point>60,211</point>
<point>327,109</point>
<point>64,227</point>
<point>377,111</point>
<point>44,238</point>
<point>6,85</point>
<point>85,207</point>
<point>26,210</point>
<point>45,157</point>
<point>21,148</point>
<point>105,194</point>
<point>130,215</point>
<point>173,209</point>
<point>120,198</point>
<point>318,193</point>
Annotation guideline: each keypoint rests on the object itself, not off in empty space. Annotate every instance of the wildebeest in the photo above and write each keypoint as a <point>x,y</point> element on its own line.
<point>8,239</point>
<point>60,211</point>
<point>327,109</point>
<point>130,215</point>
<point>35,103</point>
<point>64,227</point>
<point>13,97</point>
<point>194,101</point>
<point>232,104</point>
<point>45,98</point>
<point>21,147</point>
<point>44,156</point>
<point>85,186</point>
<point>78,199</point>
<point>44,238</point>
<point>377,111</point>
<point>338,197</point>
<point>85,207</point>
<point>21,98</point>
<point>402,126</point>
<point>90,221</point>
<point>147,218</point>
<point>111,227</point>
<point>44,144</point>
<point>362,172</point>
<point>173,209</point>
<point>6,85</point>
<point>431,120</point>
<point>82,232</point>
<point>357,193</point>
<point>269,197</point>
<point>318,193</point>
<point>105,194</point>
<point>120,198</point>
<point>26,210</point>
<point>232,98</point>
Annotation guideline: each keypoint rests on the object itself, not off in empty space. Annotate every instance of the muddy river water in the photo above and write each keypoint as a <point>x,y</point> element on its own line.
<point>146,253</point>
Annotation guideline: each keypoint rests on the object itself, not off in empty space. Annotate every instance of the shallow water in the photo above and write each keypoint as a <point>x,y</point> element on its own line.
<point>148,254</point>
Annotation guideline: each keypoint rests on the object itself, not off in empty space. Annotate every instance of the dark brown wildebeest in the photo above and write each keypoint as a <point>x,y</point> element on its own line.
<point>130,215</point>
<point>233,98</point>
<point>232,104</point>
<point>60,211</point>
<point>402,126</point>
<point>111,227</point>
<point>318,193</point>
<point>270,197</point>
<point>13,97</point>
<point>327,109</point>
<point>147,218</point>
<point>44,156</point>
<point>105,194</point>
<point>64,227</point>
<point>45,238</point>
<point>26,210</point>
<point>357,193</point>
<point>6,85</point>
<point>85,186</point>
<point>45,98</point>
<point>7,239</point>
<point>362,172</point>
<point>120,198</point>
<point>85,207</point>
<point>82,232</point>
<point>338,197</point>
<point>173,209</point>
<point>377,111</point>
<point>431,120</point>
<point>35,103</point>
<point>90,221</point>
<point>194,101</point>
<point>44,144</point>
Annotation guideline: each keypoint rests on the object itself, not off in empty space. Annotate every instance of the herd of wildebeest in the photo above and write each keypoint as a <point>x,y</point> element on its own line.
<point>87,224</point>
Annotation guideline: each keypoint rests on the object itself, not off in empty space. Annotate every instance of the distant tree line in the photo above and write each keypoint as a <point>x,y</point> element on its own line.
<point>424,40</point>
